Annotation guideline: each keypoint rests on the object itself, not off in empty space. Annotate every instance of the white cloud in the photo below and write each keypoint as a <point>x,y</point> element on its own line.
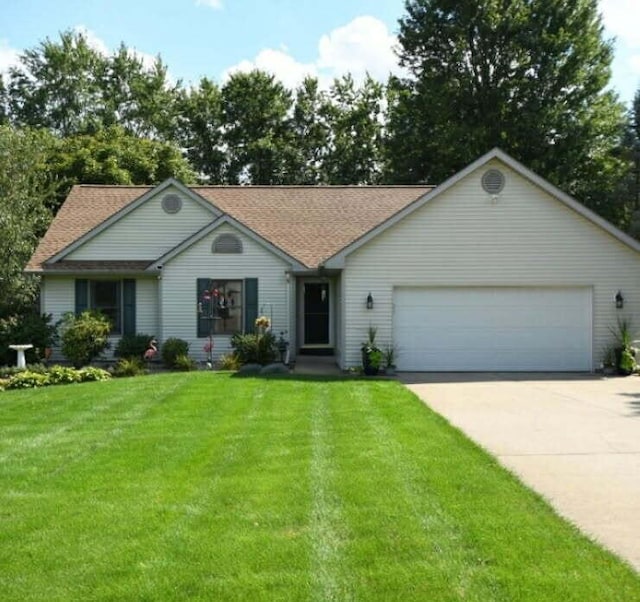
<point>363,46</point>
<point>277,62</point>
<point>215,4</point>
<point>621,18</point>
<point>8,56</point>
<point>99,45</point>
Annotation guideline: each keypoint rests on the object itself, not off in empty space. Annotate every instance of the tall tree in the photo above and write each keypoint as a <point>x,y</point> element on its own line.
<point>4,109</point>
<point>354,115</point>
<point>25,186</point>
<point>113,156</point>
<point>58,86</point>
<point>528,76</point>
<point>200,130</point>
<point>309,135</point>
<point>255,112</point>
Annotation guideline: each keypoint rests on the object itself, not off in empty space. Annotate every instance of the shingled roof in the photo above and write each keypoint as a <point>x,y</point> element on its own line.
<point>309,223</point>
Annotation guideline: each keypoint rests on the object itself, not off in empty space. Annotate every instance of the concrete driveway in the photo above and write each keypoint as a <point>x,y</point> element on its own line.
<point>575,439</point>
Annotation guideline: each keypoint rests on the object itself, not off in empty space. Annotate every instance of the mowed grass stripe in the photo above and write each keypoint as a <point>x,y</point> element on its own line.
<point>210,487</point>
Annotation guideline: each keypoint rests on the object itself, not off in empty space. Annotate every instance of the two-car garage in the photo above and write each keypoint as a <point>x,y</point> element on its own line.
<point>493,328</point>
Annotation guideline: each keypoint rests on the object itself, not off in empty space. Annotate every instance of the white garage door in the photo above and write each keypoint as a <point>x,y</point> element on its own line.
<point>493,329</point>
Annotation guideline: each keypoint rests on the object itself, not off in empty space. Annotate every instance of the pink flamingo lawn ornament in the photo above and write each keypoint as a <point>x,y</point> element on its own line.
<point>152,351</point>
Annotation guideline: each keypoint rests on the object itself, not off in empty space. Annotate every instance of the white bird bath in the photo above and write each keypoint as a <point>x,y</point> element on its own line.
<point>22,362</point>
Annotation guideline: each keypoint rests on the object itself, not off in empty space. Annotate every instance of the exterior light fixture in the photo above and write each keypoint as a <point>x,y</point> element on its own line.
<point>619,300</point>
<point>369,301</point>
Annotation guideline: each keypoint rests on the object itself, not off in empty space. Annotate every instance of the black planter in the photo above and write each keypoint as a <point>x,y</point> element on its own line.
<point>367,367</point>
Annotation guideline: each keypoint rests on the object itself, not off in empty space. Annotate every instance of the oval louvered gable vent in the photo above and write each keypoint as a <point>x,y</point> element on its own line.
<point>171,203</point>
<point>227,243</point>
<point>493,181</point>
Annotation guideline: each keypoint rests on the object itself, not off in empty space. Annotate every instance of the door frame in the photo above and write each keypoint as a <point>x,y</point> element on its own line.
<point>301,311</point>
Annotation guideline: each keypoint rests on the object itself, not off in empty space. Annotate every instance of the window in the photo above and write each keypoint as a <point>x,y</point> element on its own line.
<point>219,306</point>
<point>105,296</point>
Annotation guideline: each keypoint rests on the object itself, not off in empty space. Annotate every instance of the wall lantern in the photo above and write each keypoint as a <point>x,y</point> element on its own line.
<point>619,300</point>
<point>369,301</point>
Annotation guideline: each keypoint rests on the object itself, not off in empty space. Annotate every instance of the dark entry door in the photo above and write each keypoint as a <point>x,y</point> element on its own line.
<point>316,313</point>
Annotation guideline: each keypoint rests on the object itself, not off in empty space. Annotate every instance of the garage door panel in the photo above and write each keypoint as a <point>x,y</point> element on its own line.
<point>476,329</point>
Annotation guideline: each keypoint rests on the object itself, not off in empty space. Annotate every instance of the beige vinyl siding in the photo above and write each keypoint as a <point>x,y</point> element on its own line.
<point>58,297</point>
<point>464,238</point>
<point>178,308</point>
<point>147,232</point>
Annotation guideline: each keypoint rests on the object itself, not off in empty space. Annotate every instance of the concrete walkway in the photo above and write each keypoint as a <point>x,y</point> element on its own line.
<point>574,439</point>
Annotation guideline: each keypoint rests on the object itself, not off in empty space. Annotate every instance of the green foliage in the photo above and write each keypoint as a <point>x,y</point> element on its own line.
<point>185,363</point>
<point>84,337</point>
<point>132,346</point>
<point>29,328</point>
<point>114,156</point>
<point>228,361</point>
<point>129,367</point>
<point>93,374</point>
<point>529,77</point>
<point>255,110</point>
<point>624,352</point>
<point>173,348</point>
<point>25,185</point>
<point>62,375</point>
<point>27,380</point>
<point>255,348</point>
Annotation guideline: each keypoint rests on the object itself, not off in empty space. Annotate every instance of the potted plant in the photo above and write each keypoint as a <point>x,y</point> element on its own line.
<point>371,354</point>
<point>624,351</point>
<point>390,360</point>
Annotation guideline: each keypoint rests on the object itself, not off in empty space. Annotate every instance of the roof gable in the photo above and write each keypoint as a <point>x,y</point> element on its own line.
<point>129,208</point>
<point>224,219</point>
<point>307,223</point>
<point>337,260</point>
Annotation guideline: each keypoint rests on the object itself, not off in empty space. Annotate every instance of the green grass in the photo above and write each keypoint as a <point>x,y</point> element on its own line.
<point>208,487</point>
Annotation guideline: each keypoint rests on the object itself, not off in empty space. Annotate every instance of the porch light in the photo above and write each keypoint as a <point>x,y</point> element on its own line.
<point>369,301</point>
<point>619,300</point>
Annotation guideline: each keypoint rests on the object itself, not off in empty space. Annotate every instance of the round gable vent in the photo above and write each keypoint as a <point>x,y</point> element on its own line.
<point>493,181</point>
<point>171,203</point>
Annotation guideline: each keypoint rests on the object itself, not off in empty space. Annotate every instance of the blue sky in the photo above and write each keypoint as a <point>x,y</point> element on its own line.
<point>287,37</point>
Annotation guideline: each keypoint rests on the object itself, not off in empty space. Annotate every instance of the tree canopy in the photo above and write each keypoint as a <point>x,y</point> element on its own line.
<point>528,76</point>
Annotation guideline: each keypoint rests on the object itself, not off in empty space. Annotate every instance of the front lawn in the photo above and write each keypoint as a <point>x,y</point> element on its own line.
<point>202,486</point>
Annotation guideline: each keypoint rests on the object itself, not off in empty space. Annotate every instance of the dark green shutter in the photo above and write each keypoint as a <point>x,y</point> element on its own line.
<point>128,307</point>
<point>202,323</point>
<point>250,304</point>
<point>82,296</point>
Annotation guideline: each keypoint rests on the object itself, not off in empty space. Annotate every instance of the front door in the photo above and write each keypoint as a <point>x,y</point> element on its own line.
<point>316,313</point>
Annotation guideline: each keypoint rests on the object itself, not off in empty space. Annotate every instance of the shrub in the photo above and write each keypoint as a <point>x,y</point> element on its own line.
<point>27,380</point>
<point>84,337</point>
<point>91,374</point>
<point>171,349</point>
<point>61,375</point>
<point>129,367</point>
<point>30,328</point>
<point>3,383</point>
<point>228,362</point>
<point>132,345</point>
<point>255,348</point>
<point>185,363</point>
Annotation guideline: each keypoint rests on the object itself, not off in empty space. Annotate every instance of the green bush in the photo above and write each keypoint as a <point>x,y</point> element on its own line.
<point>62,375</point>
<point>228,362</point>
<point>91,374</point>
<point>185,363</point>
<point>128,367</point>
<point>84,337</point>
<point>27,380</point>
<point>30,328</point>
<point>132,345</point>
<point>171,349</point>
<point>255,348</point>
